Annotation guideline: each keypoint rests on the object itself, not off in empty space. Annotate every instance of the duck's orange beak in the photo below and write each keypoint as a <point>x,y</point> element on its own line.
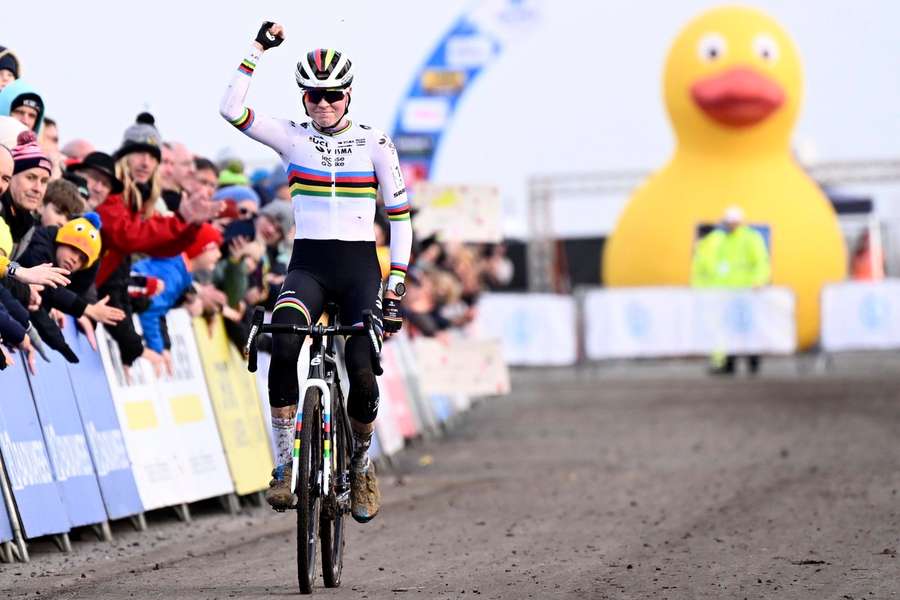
<point>738,97</point>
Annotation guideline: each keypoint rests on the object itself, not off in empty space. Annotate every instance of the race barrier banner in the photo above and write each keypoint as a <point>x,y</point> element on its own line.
<point>101,426</point>
<point>186,397</point>
<point>175,449</point>
<point>657,322</point>
<point>25,457</point>
<point>393,391</point>
<point>535,329</point>
<point>232,390</point>
<point>66,443</point>
<point>861,316</point>
<point>423,411</point>
<point>454,365</point>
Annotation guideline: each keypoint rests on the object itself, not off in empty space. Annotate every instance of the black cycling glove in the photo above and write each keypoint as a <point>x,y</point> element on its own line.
<point>392,319</point>
<point>266,39</point>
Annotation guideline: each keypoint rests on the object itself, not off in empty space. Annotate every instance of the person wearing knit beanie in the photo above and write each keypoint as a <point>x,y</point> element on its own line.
<point>245,198</point>
<point>9,67</point>
<point>143,136</point>
<point>233,174</point>
<point>31,173</point>
<point>20,100</point>
<point>208,238</point>
<point>78,242</point>
<point>28,154</point>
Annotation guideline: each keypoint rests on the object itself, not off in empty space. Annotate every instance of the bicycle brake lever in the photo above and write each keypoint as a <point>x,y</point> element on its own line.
<point>250,350</point>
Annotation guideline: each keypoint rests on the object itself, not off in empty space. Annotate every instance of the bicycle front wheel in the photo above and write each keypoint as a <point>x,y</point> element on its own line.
<point>308,493</point>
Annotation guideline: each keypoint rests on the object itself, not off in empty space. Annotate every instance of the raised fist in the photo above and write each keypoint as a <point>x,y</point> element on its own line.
<point>270,35</point>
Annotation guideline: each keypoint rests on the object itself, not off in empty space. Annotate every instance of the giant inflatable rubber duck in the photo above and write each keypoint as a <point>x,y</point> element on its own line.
<point>733,87</point>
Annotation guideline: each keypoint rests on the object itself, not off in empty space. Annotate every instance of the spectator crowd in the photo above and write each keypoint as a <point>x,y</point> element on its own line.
<point>151,226</point>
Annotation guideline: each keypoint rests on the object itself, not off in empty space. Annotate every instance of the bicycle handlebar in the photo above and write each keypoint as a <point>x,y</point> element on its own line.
<point>257,326</point>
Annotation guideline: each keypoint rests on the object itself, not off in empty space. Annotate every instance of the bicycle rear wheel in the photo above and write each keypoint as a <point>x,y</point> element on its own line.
<point>332,524</point>
<point>309,496</point>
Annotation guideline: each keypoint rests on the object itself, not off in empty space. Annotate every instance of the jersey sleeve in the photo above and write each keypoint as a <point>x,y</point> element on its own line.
<point>393,191</point>
<point>262,128</point>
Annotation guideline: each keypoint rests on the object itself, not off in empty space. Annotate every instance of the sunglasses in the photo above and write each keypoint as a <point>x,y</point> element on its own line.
<point>331,96</point>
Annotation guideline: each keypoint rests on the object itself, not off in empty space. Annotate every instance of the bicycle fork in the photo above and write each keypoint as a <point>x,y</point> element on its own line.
<point>326,437</point>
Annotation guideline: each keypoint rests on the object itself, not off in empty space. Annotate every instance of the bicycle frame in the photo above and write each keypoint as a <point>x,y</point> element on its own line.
<point>317,378</point>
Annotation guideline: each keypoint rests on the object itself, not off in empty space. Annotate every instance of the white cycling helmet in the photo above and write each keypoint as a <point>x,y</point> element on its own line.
<point>324,68</point>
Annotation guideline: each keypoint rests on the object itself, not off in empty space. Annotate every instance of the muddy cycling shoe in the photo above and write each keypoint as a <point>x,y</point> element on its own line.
<point>279,494</point>
<point>365,497</point>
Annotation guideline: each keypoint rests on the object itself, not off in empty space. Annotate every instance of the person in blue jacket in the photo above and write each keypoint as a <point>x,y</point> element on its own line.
<point>176,273</point>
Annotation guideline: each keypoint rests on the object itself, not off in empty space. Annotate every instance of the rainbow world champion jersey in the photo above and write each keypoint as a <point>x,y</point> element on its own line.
<point>334,178</point>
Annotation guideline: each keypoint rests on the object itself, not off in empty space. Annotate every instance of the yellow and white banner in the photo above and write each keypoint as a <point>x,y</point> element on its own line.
<point>167,422</point>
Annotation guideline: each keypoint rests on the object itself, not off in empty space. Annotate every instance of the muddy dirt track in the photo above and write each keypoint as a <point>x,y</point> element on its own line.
<point>588,484</point>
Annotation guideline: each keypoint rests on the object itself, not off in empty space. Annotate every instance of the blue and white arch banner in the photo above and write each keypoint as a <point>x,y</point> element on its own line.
<point>861,316</point>
<point>471,44</point>
<point>656,322</point>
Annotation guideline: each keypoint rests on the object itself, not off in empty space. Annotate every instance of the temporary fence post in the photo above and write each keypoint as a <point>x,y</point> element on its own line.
<point>183,512</point>
<point>230,503</point>
<point>62,542</point>
<point>6,553</point>
<point>103,531</point>
<point>14,521</point>
<point>139,521</point>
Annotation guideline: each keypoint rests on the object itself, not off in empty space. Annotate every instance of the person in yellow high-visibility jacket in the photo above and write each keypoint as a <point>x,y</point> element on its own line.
<point>733,257</point>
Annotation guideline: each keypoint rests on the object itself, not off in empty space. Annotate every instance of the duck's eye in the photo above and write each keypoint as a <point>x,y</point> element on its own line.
<point>79,227</point>
<point>711,47</point>
<point>765,47</point>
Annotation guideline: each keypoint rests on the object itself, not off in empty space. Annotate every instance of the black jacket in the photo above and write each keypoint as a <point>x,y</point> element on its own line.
<point>69,300</point>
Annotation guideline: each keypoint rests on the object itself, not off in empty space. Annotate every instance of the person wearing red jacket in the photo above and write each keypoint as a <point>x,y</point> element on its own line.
<point>133,225</point>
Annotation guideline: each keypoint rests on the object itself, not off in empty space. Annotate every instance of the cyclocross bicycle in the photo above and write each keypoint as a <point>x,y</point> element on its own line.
<point>323,443</point>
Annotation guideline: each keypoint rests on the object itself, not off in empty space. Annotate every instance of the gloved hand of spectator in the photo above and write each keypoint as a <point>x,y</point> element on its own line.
<point>144,286</point>
<point>51,335</point>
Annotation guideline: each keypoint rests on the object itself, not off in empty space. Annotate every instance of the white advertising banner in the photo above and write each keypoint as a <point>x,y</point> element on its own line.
<point>458,213</point>
<point>861,316</point>
<point>187,398</point>
<point>535,329</point>
<point>167,422</point>
<point>656,322</point>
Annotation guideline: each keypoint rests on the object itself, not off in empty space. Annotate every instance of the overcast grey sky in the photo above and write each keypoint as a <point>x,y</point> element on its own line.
<point>583,93</point>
